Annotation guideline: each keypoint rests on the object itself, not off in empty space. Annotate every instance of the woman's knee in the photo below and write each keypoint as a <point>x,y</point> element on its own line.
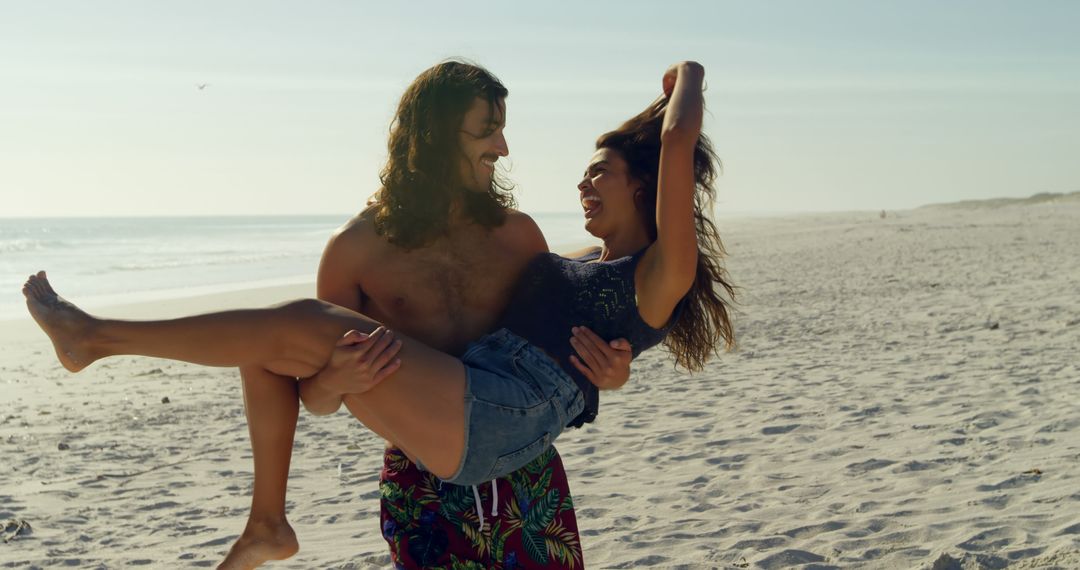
<point>302,330</point>
<point>299,308</point>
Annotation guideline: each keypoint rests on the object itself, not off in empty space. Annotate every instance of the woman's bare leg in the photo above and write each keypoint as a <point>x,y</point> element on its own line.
<point>271,403</point>
<point>272,406</point>
<point>293,339</point>
<point>422,407</point>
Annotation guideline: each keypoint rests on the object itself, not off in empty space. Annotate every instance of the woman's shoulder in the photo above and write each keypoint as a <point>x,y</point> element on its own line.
<point>590,252</point>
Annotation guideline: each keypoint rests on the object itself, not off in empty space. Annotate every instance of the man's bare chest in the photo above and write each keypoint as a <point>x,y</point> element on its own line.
<point>443,298</point>
<point>434,283</point>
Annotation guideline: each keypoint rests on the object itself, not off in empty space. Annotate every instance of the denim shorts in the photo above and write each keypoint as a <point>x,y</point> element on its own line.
<point>517,401</point>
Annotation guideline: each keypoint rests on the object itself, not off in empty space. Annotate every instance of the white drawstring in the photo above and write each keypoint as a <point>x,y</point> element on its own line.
<point>479,511</point>
<point>494,502</point>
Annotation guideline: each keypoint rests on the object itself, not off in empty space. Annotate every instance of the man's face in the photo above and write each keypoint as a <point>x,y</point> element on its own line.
<point>482,142</point>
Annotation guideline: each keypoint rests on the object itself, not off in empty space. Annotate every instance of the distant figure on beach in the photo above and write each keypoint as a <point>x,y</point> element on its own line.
<point>882,214</point>
<point>436,257</point>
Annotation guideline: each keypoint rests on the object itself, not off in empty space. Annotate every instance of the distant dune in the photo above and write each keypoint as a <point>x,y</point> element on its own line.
<point>1040,198</point>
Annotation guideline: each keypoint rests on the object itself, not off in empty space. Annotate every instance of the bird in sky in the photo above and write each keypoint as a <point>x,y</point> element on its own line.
<point>201,86</point>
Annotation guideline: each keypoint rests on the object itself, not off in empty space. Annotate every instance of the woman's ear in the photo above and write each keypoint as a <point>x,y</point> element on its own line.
<point>641,197</point>
<point>646,211</point>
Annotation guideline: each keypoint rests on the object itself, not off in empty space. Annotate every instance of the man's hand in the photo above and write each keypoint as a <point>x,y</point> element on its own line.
<point>361,361</point>
<point>605,364</point>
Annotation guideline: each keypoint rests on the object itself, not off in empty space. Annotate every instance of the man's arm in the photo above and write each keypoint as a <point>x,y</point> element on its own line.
<point>338,269</point>
<point>605,364</point>
<point>336,283</point>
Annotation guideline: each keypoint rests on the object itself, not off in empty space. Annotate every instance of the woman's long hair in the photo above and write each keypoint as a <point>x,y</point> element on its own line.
<point>422,177</point>
<point>706,315</point>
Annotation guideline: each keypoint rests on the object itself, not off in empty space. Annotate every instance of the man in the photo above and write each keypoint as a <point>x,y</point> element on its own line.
<point>435,256</point>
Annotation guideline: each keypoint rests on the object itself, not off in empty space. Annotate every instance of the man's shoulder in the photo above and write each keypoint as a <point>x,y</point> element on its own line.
<point>358,231</point>
<point>358,238</point>
<point>519,218</point>
<point>355,240</point>
<point>522,231</point>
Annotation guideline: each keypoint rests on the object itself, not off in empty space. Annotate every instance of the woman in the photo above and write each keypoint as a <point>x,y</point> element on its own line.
<point>644,193</point>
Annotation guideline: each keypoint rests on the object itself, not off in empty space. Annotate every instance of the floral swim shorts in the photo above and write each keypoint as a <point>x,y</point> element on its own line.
<point>523,520</point>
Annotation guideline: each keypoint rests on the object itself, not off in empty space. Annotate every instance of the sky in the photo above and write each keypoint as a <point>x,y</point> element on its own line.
<point>812,106</point>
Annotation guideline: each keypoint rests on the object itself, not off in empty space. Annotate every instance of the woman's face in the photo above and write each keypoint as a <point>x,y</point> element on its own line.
<point>607,194</point>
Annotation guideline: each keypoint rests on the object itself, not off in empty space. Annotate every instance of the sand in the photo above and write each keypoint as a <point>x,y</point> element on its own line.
<point>905,396</point>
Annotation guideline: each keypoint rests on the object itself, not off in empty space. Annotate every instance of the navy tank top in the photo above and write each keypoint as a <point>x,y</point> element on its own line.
<point>556,293</point>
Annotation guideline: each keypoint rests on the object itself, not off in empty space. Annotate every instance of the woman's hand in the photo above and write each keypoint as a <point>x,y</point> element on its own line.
<point>361,361</point>
<point>672,73</point>
<point>605,364</point>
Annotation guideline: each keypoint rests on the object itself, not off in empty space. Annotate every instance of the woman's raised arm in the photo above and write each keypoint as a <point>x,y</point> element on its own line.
<point>670,265</point>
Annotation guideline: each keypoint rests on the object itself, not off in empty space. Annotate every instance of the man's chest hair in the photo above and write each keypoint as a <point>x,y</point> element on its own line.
<point>442,277</point>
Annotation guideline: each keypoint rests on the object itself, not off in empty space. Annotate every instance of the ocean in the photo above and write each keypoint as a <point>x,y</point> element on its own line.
<point>103,261</point>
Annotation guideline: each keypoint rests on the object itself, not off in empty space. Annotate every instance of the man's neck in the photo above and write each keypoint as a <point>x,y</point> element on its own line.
<point>458,215</point>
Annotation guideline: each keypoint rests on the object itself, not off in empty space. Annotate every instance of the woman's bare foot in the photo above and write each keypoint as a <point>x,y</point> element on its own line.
<point>68,326</point>
<point>262,541</point>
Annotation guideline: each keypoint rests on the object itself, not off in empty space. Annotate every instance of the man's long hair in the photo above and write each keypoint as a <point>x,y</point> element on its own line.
<point>422,179</point>
<point>705,321</point>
